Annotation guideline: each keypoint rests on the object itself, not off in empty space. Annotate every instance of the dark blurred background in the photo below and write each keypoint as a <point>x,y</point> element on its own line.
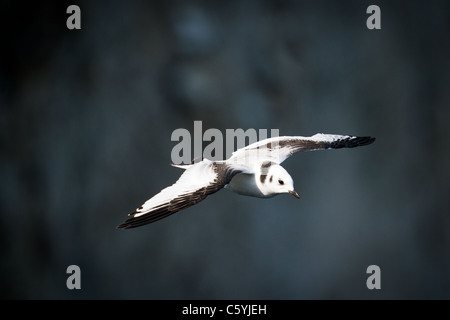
<point>86,122</point>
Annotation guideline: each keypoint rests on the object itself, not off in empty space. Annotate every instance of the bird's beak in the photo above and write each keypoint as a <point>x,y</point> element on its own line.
<point>294,193</point>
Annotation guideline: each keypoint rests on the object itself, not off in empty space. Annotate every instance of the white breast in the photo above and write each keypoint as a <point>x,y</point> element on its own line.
<point>245,184</point>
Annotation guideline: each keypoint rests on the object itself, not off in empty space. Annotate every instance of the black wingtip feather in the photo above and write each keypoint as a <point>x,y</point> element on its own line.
<point>352,142</point>
<point>360,141</point>
<point>154,216</point>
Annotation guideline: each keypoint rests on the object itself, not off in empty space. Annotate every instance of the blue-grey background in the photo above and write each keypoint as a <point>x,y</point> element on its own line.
<point>86,121</point>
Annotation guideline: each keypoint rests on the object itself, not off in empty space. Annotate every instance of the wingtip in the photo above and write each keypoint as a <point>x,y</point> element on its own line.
<point>360,141</point>
<point>121,226</point>
<point>369,140</point>
<point>125,225</point>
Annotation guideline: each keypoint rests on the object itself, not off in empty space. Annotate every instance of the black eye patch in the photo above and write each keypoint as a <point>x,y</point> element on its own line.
<point>280,181</point>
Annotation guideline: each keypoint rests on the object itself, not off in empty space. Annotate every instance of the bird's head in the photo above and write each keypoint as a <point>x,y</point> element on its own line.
<point>278,180</point>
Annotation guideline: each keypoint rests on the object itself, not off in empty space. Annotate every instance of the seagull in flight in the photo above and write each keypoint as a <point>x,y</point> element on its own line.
<point>254,171</point>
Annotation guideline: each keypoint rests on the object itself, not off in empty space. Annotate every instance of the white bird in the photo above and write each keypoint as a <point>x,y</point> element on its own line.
<point>252,171</point>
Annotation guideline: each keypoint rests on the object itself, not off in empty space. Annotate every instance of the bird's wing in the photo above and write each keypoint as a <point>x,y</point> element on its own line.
<point>278,149</point>
<point>195,184</point>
